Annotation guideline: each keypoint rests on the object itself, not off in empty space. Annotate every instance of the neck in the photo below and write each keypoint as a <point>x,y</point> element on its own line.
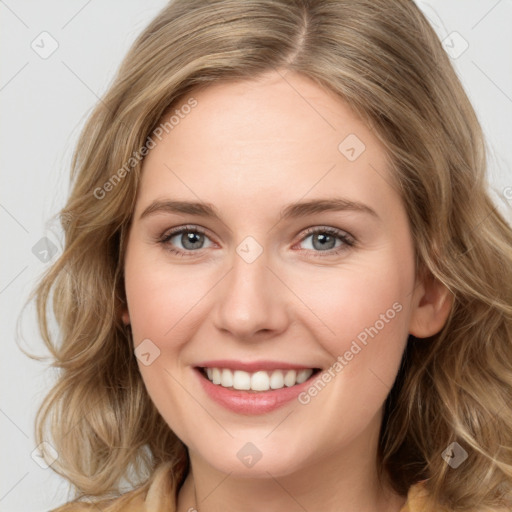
<point>343,481</point>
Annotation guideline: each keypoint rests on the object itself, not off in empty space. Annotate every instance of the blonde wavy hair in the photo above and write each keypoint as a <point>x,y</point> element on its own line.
<point>384,59</point>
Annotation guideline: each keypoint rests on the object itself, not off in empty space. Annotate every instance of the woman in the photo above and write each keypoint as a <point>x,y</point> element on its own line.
<point>217,352</point>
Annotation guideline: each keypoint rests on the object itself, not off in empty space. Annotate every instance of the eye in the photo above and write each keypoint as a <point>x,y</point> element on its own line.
<point>191,239</point>
<point>323,240</point>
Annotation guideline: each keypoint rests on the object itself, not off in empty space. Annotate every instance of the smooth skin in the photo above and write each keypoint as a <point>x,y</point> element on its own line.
<point>250,148</point>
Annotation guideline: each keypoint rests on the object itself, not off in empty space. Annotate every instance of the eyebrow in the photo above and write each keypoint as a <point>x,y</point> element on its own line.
<point>294,210</point>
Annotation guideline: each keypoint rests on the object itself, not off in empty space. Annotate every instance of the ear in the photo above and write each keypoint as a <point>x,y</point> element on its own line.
<point>125,316</point>
<point>432,303</point>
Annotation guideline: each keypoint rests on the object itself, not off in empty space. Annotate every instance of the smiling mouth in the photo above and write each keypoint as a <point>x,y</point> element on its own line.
<point>257,381</point>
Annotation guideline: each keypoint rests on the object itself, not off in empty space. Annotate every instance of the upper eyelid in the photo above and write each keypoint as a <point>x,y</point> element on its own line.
<point>328,229</point>
<point>178,230</point>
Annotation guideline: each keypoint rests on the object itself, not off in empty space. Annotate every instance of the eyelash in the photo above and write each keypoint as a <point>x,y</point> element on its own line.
<point>348,240</point>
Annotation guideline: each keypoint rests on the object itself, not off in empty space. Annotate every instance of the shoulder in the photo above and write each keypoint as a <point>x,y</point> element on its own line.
<point>159,493</point>
<point>419,500</point>
<point>73,507</point>
<point>129,502</point>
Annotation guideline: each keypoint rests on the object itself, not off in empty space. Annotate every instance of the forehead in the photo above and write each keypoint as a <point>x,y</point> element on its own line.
<point>275,137</point>
<point>279,111</point>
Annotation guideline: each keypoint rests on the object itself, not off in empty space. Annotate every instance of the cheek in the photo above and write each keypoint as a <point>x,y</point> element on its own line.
<point>353,298</point>
<point>364,310</point>
<point>161,303</point>
<point>161,296</point>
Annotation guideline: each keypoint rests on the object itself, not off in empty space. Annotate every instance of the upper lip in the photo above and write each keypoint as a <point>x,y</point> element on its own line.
<point>253,366</point>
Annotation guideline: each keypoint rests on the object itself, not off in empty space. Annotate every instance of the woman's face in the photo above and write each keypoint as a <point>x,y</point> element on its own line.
<point>254,292</point>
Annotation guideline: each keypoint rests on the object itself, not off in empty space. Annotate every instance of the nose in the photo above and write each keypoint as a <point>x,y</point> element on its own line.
<point>252,301</point>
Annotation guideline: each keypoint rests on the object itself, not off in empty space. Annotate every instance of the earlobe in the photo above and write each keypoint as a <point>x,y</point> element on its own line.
<point>432,303</point>
<point>125,317</point>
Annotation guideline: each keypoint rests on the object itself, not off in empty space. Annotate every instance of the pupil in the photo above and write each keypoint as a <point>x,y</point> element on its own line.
<point>324,239</point>
<point>189,239</point>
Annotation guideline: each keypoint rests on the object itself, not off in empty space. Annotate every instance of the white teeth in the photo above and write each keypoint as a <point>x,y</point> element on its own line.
<point>216,376</point>
<point>260,381</point>
<point>277,379</point>
<point>257,381</point>
<point>290,378</point>
<point>241,380</point>
<point>226,378</point>
<point>303,376</point>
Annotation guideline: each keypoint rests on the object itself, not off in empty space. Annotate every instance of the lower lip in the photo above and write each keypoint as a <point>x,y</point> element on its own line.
<point>250,403</point>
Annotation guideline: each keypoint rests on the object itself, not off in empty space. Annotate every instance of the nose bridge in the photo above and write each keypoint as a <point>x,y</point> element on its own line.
<point>250,299</point>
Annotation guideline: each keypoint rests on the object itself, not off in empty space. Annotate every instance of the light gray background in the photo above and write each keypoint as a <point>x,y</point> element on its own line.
<point>44,102</point>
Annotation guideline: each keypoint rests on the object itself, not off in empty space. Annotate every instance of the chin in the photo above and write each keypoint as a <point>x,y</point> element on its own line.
<point>252,460</point>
